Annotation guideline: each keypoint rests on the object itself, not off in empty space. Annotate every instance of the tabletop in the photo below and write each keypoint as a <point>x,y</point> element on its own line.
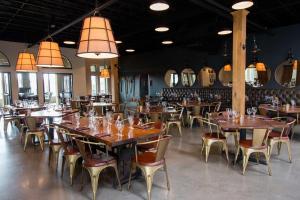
<point>153,110</point>
<point>283,109</point>
<point>52,113</point>
<point>113,138</point>
<point>195,103</point>
<point>103,104</point>
<point>249,122</point>
<point>29,107</point>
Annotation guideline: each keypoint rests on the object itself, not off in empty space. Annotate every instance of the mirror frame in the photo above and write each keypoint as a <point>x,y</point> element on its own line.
<point>199,80</point>
<point>181,77</point>
<point>165,78</point>
<point>269,74</point>
<point>276,71</point>
<point>219,75</point>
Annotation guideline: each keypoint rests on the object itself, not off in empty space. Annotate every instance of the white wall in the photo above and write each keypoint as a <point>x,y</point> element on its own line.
<point>11,50</point>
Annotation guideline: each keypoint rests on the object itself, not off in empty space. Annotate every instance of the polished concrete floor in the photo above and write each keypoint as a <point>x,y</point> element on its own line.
<point>26,175</point>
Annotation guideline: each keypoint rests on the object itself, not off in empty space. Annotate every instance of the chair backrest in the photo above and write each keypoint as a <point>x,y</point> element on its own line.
<point>65,138</point>
<point>154,117</point>
<point>32,123</point>
<point>196,110</point>
<point>217,106</point>
<point>290,122</point>
<point>212,127</point>
<point>162,146</point>
<point>263,111</point>
<point>75,105</point>
<point>98,110</point>
<point>85,148</point>
<point>259,137</point>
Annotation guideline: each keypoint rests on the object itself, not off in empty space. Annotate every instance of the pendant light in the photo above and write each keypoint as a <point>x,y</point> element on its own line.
<point>96,39</point>
<point>104,73</point>
<point>242,4</point>
<point>159,5</point>
<point>26,63</point>
<point>260,66</point>
<point>293,62</point>
<point>227,64</point>
<point>49,55</point>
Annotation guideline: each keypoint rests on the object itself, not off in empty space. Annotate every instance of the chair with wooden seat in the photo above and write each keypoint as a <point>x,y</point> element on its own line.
<point>257,144</point>
<point>279,137</point>
<point>34,128</point>
<point>71,153</point>
<point>54,146</point>
<point>95,163</point>
<point>214,135</point>
<point>196,114</point>
<point>150,162</point>
<point>175,119</point>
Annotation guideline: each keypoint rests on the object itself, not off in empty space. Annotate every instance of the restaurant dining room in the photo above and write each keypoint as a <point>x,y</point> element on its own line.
<point>149,99</point>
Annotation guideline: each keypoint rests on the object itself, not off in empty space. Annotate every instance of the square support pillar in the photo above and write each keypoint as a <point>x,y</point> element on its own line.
<point>239,60</point>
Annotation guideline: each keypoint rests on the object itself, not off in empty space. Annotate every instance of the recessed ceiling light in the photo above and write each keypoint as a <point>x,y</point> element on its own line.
<point>69,42</point>
<point>167,42</point>
<point>159,5</point>
<point>162,29</point>
<point>242,4</point>
<point>225,32</point>
<point>130,50</point>
<point>119,41</point>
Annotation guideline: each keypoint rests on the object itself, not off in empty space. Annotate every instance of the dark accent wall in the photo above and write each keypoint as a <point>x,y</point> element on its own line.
<point>274,48</point>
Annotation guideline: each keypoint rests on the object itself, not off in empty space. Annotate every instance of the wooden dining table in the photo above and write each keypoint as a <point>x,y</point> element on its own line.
<point>282,109</point>
<point>122,144</point>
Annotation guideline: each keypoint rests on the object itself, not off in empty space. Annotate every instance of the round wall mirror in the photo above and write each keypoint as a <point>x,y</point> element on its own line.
<point>225,77</point>
<point>171,78</point>
<point>257,78</point>
<point>287,74</point>
<point>206,77</point>
<point>188,77</point>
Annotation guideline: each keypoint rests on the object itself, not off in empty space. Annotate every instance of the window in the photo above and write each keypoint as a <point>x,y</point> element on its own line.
<point>27,84</point>
<point>5,89</point>
<point>98,85</point>
<point>4,60</point>
<point>57,87</point>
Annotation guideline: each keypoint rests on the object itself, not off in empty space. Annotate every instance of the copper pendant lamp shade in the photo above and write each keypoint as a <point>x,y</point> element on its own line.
<point>104,73</point>
<point>227,68</point>
<point>260,66</point>
<point>97,40</point>
<point>295,64</point>
<point>49,55</point>
<point>26,63</point>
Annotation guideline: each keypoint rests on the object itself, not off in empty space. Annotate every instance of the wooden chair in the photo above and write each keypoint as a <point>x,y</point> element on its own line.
<point>215,135</point>
<point>175,119</point>
<point>258,144</point>
<point>34,129</point>
<point>95,163</point>
<point>150,162</point>
<point>279,137</point>
<point>54,146</point>
<point>71,152</point>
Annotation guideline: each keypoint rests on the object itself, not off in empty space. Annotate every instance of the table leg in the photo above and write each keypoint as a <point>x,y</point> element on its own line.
<point>51,129</point>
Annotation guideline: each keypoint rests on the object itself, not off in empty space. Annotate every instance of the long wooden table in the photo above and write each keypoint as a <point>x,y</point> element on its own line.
<point>112,139</point>
<point>123,145</point>
<point>282,109</point>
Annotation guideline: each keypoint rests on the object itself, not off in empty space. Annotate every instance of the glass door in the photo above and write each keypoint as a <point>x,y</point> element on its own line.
<point>5,89</point>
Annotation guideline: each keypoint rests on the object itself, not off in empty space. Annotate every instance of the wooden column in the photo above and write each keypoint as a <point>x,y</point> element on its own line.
<point>239,60</point>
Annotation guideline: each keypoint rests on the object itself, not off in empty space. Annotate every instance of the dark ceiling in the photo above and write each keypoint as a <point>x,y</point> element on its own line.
<point>193,23</point>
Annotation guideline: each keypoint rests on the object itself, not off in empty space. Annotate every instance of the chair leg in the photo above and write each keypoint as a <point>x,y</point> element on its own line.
<point>236,154</point>
<point>226,151</point>
<point>149,182</point>
<point>279,147</point>
<point>191,122</point>
<point>271,145</point>
<point>167,178</point>
<point>207,149</point>
<point>203,145</point>
<point>25,142</point>
<point>168,126</point>
<point>82,178</point>
<point>289,150</point>
<point>179,128</point>
<point>63,165</point>
<point>94,174</point>
<point>117,176</point>
<point>257,157</point>
<point>268,162</point>
<point>41,139</point>
<point>245,161</point>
